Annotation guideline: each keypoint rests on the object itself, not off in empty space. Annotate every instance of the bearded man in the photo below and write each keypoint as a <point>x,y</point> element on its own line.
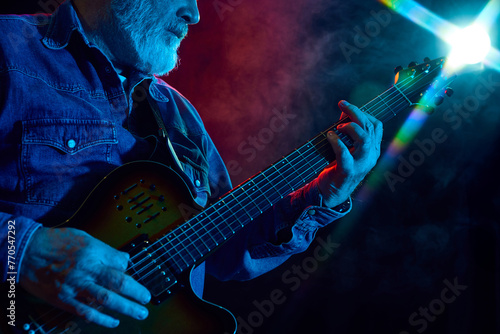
<point>69,114</point>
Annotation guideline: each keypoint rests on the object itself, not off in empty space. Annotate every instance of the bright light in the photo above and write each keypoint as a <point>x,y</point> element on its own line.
<point>470,45</point>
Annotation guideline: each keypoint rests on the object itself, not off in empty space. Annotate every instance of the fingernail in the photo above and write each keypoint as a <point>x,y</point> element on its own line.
<point>143,313</point>
<point>115,323</point>
<point>146,299</point>
<point>344,103</point>
<point>331,134</point>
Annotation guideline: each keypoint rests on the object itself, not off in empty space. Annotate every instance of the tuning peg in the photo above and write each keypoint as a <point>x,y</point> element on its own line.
<point>413,63</point>
<point>449,92</point>
<point>438,100</point>
<point>429,110</point>
<point>427,59</point>
<point>398,69</point>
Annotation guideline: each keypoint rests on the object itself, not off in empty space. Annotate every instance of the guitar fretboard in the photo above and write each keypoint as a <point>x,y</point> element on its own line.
<point>199,236</point>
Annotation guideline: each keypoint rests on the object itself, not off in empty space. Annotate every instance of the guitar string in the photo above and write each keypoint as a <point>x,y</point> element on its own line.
<point>184,248</point>
<point>300,156</point>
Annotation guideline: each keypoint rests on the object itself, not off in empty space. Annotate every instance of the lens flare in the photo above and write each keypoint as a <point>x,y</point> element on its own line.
<point>470,45</point>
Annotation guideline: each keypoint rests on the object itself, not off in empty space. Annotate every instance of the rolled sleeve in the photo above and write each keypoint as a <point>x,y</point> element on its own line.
<point>24,229</point>
<point>297,219</point>
<point>282,231</point>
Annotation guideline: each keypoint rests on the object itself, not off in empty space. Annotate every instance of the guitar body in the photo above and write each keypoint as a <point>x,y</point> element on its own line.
<point>131,208</point>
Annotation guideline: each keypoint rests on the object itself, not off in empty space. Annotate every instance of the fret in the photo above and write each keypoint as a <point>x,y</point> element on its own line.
<point>223,227</point>
<point>273,186</point>
<point>174,241</point>
<point>199,237</point>
<point>187,246</point>
<point>214,229</point>
<point>205,232</point>
<point>301,164</point>
<point>241,205</point>
<point>294,169</point>
<point>232,212</point>
<point>246,202</point>
<point>191,246</point>
<point>228,219</point>
<point>404,95</point>
<point>164,247</point>
<point>283,178</point>
<point>370,107</point>
<point>255,188</point>
<point>251,199</point>
<point>388,106</point>
<point>308,145</point>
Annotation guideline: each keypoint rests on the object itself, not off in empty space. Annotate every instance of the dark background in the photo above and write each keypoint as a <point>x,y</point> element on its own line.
<point>398,246</point>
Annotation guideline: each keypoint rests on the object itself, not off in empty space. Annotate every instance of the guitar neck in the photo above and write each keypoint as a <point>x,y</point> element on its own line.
<point>202,234</point>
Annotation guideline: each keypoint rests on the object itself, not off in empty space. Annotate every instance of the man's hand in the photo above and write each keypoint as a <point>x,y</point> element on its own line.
<point>77,273</point>
<point>340,179</point>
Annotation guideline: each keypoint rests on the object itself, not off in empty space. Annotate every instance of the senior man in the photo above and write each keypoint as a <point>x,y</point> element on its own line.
<point>68,117</point>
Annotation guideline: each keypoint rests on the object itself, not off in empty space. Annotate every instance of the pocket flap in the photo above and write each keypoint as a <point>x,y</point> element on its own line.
<point>69,135</point>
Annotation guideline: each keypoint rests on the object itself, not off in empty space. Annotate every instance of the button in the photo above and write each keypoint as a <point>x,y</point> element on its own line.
<point>197,183</point>
<point>107,69</point>
<point>71,143</point>
<point>311,212</point>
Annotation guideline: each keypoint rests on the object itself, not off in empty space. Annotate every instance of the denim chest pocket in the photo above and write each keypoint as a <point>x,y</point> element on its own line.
<point>63,159</point>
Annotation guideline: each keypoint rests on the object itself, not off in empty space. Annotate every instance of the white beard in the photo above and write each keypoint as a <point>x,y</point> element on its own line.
<point>147,30</point>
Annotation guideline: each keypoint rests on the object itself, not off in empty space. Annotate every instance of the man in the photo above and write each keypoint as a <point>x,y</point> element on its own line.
<point>68,117</point>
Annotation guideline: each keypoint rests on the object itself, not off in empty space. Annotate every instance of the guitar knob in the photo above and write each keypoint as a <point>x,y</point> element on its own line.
<point>429,110</point>
<point>449,92</point>
<point>413,63</point>
<point>439,100</point>
<point>398,69</point>
<point>427,59</point>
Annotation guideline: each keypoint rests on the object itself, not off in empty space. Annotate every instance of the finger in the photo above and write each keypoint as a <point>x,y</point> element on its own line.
<point>356,133</point>
<point>123,284</point>
<point>115,302</point>
<point>89,313</point>
<point>355,114</point>
<point>114,258</point>
<point>378,129</point>
<point>343,116</point>
<point>342,154</point>
<point>363,143</point>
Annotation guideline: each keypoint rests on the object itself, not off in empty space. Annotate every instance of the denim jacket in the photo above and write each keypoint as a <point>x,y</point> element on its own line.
<point>66,121</point>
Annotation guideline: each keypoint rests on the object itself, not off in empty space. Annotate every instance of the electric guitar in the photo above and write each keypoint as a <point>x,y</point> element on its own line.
<point>140,204</point>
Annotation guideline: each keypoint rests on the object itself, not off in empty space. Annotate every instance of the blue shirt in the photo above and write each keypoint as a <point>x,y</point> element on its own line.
<point>66,121</point>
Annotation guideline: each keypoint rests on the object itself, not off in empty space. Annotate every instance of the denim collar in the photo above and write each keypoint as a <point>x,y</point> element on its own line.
<point>63,23</point>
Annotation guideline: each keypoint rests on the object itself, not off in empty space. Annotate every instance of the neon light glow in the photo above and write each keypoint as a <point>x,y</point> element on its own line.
<point>469,45</point>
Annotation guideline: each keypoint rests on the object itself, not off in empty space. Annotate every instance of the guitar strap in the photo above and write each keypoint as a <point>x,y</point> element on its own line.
<point>162,130</point>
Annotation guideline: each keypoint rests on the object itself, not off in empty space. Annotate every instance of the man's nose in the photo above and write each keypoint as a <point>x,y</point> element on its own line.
<point>188,11</point>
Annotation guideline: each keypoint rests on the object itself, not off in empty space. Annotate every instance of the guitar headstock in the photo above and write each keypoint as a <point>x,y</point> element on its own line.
<point>425,84</point>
